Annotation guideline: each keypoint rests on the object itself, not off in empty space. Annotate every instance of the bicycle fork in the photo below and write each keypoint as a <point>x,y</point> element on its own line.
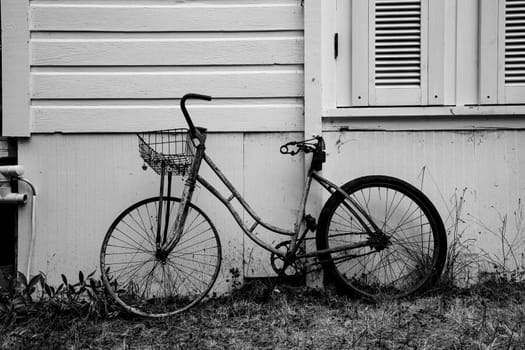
<point>161,236</point>
<point>166,244</point>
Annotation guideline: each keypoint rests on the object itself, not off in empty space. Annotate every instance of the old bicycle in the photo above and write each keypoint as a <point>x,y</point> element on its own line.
<point>376,236</point>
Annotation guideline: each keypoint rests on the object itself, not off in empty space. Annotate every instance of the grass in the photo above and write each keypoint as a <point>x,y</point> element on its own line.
<point>299,318</point>
<point>466,311</point>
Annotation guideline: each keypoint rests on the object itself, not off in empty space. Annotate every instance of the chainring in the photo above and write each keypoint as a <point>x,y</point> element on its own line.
<point>294,269</point>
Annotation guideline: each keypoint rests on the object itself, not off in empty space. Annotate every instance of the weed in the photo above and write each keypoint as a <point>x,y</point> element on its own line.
<point>296,317</point>
<point>16,301</point>
<point>462,258</point>
<point>24,299</point>
<point>509,263</point>
<point>235,279</point>
<point>87,297</point>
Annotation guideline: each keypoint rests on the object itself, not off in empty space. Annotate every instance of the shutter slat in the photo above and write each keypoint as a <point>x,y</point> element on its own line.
<point>397,43</point>
<point>394,38</point>
<point>515,3</point>
<point>401,56</point>
<point>397,62</point>
<point>398,32</point>
<point>515,42</point>
<point>398,69</point>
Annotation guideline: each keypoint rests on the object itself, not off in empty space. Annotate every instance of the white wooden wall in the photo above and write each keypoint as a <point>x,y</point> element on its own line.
<point>101,70</point>
<point>486,168</point>
<point>85,181</point>
<point>122,65</point>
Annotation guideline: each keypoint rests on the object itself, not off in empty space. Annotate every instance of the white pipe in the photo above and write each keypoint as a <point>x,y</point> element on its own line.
<point>13,198</point>
<point>6,196</point>
<point>33,236</point>
<point>33,227</point>
<point>12,170</point>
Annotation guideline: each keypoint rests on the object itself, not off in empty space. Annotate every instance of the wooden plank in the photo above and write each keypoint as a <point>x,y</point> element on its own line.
<point>488,51</point>
<point>458,123</point>
<point>396,112</point>
<point>450,52</point>
<point>186,16</point>
<point>121,84</point>
<point>77,201</point>
<point>15,63</point>
<point>343,72</point>
<point>467,46</point>
<point>158,50</point>
<point>436,51</point>
<point>489,166</point>
<point>360,53</point>
<point>316,22</point>
<point>274,192</point>
<point>106,118</point>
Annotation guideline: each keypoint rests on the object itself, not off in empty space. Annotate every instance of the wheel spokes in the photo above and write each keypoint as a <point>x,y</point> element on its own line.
<point>156,283</point>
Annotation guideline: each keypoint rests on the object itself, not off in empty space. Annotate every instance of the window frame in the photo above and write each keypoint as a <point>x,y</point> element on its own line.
<point>455,113</point>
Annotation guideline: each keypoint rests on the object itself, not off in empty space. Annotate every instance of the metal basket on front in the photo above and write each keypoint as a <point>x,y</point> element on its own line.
<point>169,150</point>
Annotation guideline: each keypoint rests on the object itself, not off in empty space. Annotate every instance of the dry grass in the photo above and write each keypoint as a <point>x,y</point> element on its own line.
<point>300,318</point>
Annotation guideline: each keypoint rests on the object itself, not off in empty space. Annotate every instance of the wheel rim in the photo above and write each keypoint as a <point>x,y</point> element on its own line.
<point>403,262</point>
<point>155,285</point>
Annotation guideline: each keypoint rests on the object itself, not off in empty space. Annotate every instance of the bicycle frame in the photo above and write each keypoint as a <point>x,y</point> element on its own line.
<point>296,237</point>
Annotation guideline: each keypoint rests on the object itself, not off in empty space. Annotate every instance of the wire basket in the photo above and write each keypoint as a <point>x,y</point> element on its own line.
<point>169,150</point>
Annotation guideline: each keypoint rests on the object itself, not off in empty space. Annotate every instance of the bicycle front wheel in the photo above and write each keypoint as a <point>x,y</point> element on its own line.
<point>150,284</point>
<point>405,257</point>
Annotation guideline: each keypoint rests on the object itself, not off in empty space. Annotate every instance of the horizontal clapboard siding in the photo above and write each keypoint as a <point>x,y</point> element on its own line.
<point>164,84</point>
<point>166,50</point>
<point>238,115</point>
<point>86,54</point>
<point>146,16</point>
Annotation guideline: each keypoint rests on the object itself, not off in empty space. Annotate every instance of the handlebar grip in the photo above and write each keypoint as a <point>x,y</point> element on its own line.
<point>185,111</point>
<point>196,97</point>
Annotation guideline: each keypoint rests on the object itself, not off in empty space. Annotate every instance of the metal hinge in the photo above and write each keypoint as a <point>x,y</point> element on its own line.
<point>336,45</point>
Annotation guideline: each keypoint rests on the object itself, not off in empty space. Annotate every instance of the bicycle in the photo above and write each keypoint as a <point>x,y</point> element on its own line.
<point>376,237</point>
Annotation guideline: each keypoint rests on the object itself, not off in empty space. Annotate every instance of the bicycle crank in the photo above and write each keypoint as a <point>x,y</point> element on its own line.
<point>288,266</point>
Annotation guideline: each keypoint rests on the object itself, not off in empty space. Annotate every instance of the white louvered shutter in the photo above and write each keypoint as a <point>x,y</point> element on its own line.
<point>397,43</point>
<point>386,57</point>
<point>514,51</point>
<point>502,52</point>
<point>398,33</point>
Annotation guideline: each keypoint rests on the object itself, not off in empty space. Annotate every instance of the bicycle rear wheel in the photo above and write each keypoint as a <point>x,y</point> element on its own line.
<point>405,258</point>
<point>150,284</point>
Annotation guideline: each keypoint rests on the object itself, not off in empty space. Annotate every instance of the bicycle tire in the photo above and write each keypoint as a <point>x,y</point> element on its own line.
<point>146,285</point>
<point>412,260</point>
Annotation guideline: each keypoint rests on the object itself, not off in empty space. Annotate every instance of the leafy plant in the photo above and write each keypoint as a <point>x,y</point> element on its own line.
<point>86,298</point>
<point>16,301</point>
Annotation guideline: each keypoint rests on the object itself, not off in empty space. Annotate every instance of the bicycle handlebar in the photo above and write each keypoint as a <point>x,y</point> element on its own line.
<point>191,96</point>
<point>315,144</point>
